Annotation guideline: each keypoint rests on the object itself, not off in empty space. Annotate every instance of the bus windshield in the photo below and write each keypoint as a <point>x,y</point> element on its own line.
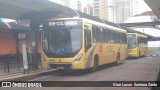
<point>131,41</point>
<point>62,38</point>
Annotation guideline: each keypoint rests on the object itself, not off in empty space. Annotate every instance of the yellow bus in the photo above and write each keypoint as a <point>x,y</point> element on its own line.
<point>79,43</point>
<point>137,45</point>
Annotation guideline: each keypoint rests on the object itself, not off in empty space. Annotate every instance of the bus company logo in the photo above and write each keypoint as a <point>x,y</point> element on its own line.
<point>6,84</point>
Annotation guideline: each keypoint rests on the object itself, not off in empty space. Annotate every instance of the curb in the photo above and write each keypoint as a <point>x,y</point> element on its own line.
<point>16,76</point>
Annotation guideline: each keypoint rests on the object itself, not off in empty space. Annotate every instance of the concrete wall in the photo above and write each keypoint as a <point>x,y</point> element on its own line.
<point>7,43</point>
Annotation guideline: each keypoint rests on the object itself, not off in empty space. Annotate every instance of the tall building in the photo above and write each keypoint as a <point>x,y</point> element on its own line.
<point>100,9</point>
<point>121,9</point>
<point>88,9</point>
<point>74,4</point>
<point>79,6</point>
<point>112,10</point>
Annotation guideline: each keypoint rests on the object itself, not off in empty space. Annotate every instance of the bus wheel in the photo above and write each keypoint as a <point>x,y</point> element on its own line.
<point>118,59</point>
<point>95,65</point>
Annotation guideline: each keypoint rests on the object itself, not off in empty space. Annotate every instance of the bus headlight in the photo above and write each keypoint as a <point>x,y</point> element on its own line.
<point>42,58</point>
<point>78,58</point>
<point>75,63</point>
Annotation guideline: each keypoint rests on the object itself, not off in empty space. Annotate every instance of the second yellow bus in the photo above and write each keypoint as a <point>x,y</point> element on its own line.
<point>137,45</point>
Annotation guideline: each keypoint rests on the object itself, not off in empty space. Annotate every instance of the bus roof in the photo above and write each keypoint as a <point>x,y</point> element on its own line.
<point>104,25</point>
<point>138,34</point>
<point>93,22</point>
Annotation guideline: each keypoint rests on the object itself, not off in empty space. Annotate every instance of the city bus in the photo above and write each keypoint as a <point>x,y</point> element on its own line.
<point>137,45</point>
<point>80,43</point>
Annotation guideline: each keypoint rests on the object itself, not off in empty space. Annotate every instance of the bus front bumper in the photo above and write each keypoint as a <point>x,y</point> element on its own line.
<point>132,55</point>
<point>61,66</point>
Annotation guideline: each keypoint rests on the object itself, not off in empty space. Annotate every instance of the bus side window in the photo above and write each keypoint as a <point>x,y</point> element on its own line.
<point>117,38</point>
<point>112,36</point>
<point>125,38</point>
<point>120,37</point>
<point>87,38</point>
<point>101,35</point>
<point>107,36</point>
<point>137,40</point>
<point>94,33</point>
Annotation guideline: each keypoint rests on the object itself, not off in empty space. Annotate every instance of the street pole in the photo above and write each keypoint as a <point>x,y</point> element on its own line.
<point>34,26</point>
<point>25,61</point>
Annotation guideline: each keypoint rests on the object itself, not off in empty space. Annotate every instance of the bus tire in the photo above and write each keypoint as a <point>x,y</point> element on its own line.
<point>95,64</point>
<point>118,59</point>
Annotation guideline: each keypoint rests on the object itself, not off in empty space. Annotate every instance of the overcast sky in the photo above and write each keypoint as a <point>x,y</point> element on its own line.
<point>84,2</point>
<point>142,6</point>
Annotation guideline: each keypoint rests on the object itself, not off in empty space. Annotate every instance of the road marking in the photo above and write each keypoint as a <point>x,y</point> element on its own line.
<point>149,57</point>
<point>40,78</point>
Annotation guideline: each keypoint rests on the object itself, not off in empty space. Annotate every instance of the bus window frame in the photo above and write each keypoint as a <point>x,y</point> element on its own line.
<point>87,33</point>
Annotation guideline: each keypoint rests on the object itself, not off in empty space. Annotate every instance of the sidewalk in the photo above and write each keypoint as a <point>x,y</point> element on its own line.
<point>15,74</point>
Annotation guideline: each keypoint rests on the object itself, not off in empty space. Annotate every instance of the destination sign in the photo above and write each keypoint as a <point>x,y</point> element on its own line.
<point>63,23</point>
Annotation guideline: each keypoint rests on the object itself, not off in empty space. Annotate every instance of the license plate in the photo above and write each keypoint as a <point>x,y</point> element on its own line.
<point>60,67</point>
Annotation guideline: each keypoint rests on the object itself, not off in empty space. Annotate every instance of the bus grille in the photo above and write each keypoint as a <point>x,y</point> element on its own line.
<point>131,51</point>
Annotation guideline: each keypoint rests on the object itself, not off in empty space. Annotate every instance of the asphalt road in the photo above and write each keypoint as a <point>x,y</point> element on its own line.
<point>141,69</point>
